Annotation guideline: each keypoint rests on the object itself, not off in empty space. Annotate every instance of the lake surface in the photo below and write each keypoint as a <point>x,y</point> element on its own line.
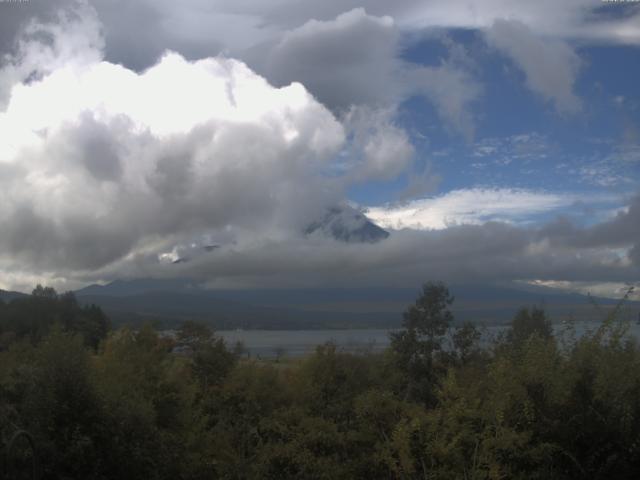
<point>296,343</point>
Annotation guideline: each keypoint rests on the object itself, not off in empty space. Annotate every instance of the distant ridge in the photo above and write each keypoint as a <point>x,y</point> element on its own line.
<point>136,286</point>
<point>7,296</point>
<point>171,301</point>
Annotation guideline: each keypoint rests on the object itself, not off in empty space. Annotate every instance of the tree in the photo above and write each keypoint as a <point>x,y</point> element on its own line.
<point>418,344</point>
<point>527,323</point>
<point>210,359</point>
<point>44,292</point>
<point>465,341</point>
<point>192,333</point>
<point>34,316</point>
<point>62,408</point>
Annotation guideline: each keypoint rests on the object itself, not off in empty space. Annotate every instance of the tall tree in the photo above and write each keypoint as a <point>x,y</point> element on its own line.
<point>419,343</point>
<point>528,322</point>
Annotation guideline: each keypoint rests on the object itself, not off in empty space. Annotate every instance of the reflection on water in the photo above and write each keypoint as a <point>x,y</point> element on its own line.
<point>295,343</point>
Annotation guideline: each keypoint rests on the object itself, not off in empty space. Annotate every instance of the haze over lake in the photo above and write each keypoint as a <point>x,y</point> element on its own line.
<point>297,343</point>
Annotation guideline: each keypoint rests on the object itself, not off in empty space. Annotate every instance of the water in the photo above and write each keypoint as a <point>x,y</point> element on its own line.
<point>296,343</point>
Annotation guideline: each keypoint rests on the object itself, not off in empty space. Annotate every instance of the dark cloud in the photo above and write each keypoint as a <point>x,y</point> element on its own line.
<point>622,230</point>
<point>346,60</point>
<point>354,59</point>
<point>98,152</point>
<point>472,253</point>
<point>15,15</point>
<point>134,35</point>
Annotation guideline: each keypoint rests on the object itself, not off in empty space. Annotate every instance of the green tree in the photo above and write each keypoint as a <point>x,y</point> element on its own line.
<point>466,340</point>
<point>60,406</point>
<point>44,292</point>
<point>211,360</point>
<point>33,317</point>
<point>418,345</point>
<point>192,333</point>
<point>528,322</point>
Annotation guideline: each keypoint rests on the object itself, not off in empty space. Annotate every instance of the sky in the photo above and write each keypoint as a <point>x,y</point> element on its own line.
<point>497,141</point>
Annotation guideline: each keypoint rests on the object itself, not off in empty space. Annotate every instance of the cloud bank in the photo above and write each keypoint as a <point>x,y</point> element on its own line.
<point>106,171</point>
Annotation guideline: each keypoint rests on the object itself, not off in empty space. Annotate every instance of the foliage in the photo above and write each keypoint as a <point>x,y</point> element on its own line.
<point>145,405</point>
<point>418,345</point>
<point>34,316</point>
<point>528,322</point>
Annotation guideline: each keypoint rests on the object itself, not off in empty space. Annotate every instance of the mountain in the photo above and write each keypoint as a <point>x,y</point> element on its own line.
<point>343,223</point>
<point>170,308</point>
<point>7,296</point>
<point>171,301</point>
<point>347,224</point>
<point>132,287</point>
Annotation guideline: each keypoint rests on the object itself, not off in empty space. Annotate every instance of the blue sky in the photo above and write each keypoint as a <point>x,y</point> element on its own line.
<point>520,140</point>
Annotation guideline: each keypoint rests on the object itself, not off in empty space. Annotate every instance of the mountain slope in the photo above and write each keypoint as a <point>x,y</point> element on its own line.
<point>171,301</point>
<point>347,224</point>
<point>7,296</point>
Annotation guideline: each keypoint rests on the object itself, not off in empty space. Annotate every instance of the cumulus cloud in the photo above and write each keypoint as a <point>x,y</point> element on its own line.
<point>345,55</point>
<point>118,162</point>
<point>194,28</point>
<point>348,60</point>
<point>354,59</point>
<point>550,66</point>
<point>74,38</point>
<point>198,29</point>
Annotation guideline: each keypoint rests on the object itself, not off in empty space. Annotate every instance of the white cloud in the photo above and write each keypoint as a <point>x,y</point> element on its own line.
<point>102,162</point>
<point>473,206</point>
<point>598,289</point>
<point>602,175</point>
<point>523,147</point>
<point>589,22</point>
<point>379,150</point>
<point>73,39</point>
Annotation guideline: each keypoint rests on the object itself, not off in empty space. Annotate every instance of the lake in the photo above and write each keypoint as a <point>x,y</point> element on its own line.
<point>296,343</point>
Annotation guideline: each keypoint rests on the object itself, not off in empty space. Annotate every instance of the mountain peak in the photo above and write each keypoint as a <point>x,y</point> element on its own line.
<point>347,224</point>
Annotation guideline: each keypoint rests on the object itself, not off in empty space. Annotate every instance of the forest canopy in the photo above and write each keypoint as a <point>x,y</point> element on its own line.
<point>436,404</point>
